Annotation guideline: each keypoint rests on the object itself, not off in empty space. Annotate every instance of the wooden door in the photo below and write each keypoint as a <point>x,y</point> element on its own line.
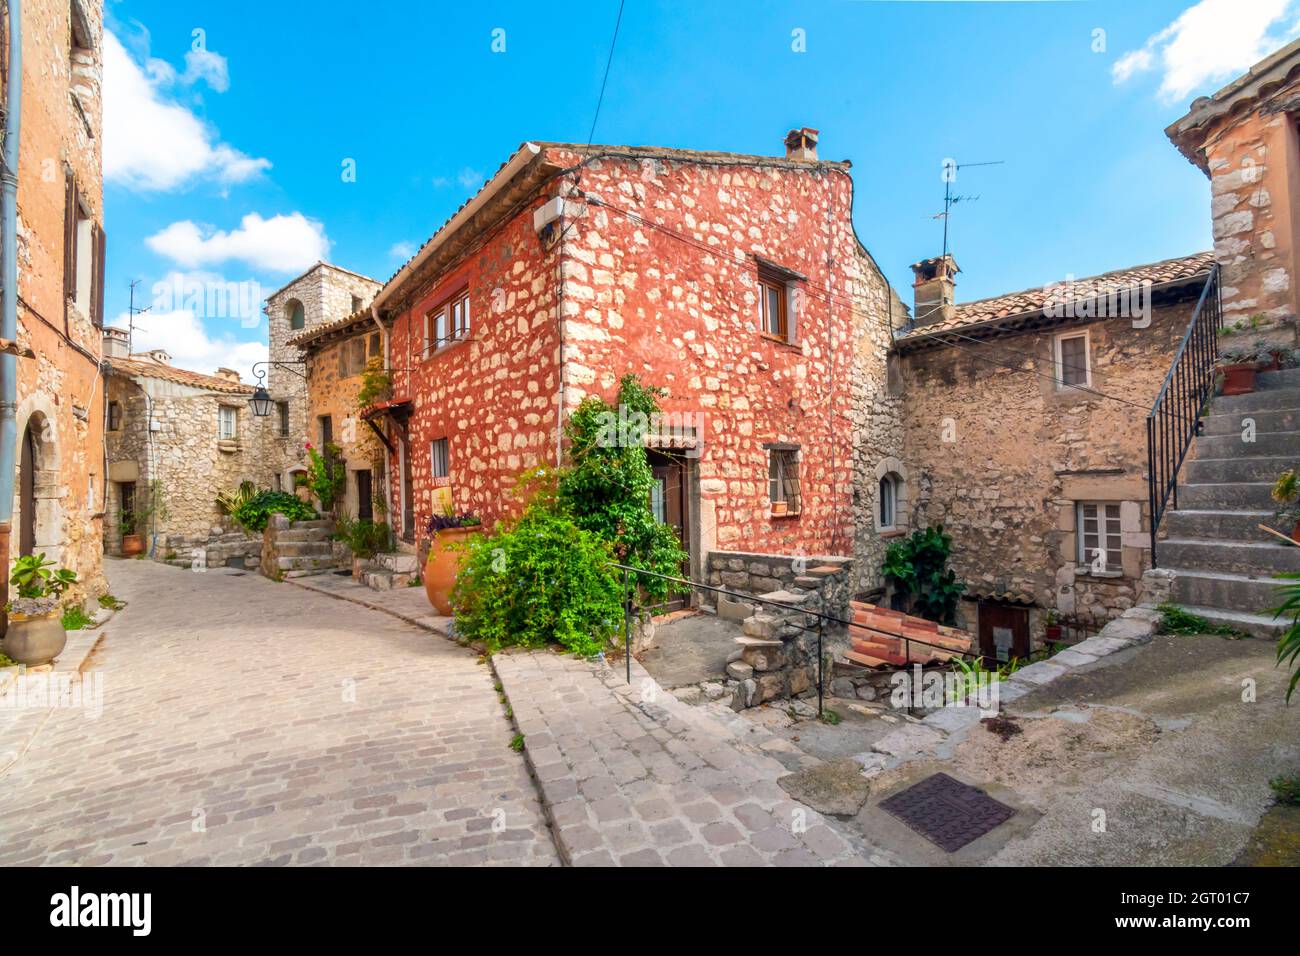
<point>408,503</point>
<point>27,494</point>
<point>365,495</point>
<point>670,505</point>
<point>1003,632</point>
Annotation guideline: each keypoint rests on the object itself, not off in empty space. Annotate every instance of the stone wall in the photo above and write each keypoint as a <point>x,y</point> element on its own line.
<point>60,394</point>
<point>326,293</point>
<point>1000,456</point>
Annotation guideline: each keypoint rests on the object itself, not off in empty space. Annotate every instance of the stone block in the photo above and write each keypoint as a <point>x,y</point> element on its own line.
<point>733,610</point>
<point>740,670</point>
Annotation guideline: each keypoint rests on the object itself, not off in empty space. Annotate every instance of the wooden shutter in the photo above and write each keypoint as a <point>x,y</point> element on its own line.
<point>69,244</point>
<point>97,286</point>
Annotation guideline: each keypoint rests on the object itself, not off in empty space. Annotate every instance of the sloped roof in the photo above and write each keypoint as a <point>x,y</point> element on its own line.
<point>147,368</point>
<point>1028,301</point>
<point>342,326</point>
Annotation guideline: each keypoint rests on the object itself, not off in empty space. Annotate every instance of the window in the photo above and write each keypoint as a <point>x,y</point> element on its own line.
<point>772,306</point>
<point>783,479</point>
<point>459,311</point>
<point>438,458</point>
<point>325,431</point>
<point>356,350</point>
<point>297,317</point>
<point>83,257</point>
<point>1098,532</point>
<point>114,416</point>
<point>375,346</point>
<point>888,502</point>
<point>356,303</point>
<point>126,506</point>
<point>227,423</point>
<point>1072,367</point>
<point>83,37</point>
<point>447,323</point>
<point>283,408</point>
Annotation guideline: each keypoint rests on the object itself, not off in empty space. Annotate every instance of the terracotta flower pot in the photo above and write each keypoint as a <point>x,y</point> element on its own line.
<point>440,569</point>
<point>132,544</point>
<point>1295,532</point>
<point>1238,379</point>
<point>35,639</point>
<point>1052,632</point>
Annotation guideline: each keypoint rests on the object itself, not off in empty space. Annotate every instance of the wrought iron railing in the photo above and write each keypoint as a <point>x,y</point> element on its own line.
<point>1175,417</point>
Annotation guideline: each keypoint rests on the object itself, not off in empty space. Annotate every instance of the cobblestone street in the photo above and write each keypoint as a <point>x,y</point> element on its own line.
<point>249,722</point>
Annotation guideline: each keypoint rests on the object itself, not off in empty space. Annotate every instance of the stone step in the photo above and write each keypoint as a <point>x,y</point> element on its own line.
<point>1236,525</point>
<point>1285,378</point>
<point>398,562</point>
<point>287,562</point>
<point>1256,625</point>
<point>1234,592</point>
<point>305,534</point>
<point>1237,469</point>
<point>305,548</point>
<point>1278,420</point>
<point>1266,445</point>
<point>325,523</point>
<point>1234,557</point>
<point>382,580</point>
<point>1264,400</point>
<point>1244,496</point>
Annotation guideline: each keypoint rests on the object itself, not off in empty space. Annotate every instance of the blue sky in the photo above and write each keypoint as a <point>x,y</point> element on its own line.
<point>225,148</point>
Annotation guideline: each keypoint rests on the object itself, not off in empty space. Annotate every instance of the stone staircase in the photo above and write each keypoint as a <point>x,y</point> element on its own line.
<point>305,547</point>
<point>1225,566</point>
<point>392,569</point>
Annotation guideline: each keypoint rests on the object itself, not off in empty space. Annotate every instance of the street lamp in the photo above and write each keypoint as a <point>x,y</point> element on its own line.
<point>261,401</point>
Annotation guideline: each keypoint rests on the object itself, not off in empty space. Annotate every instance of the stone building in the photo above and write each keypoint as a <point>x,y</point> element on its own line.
<point>174,440</point>
<point>735,282</point>
<point>323,294</point>
<point>1025,425</point>
<point>1246,139</point>
<point>60,488</point>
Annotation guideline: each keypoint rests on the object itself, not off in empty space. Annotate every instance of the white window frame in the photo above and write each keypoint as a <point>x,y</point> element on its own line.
<point>1058,362</point>
<point>227,414</point>
<point>889,481</point>
<point>1109,528</point>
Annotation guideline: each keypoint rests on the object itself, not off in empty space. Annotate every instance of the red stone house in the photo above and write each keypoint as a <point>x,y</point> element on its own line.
<point>735,282</point>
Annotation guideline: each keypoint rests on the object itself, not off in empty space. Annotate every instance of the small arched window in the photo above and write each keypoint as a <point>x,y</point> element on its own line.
<point>297,318</point>
<point>888,502</point>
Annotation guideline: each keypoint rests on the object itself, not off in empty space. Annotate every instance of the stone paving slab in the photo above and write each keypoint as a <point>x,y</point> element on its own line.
<point>632,776</point>
<point>409,604</point>
<point>246,721</point>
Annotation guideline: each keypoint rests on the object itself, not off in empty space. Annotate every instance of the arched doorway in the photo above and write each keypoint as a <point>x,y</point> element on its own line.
<point>27,494</point>
<point>39,506</point>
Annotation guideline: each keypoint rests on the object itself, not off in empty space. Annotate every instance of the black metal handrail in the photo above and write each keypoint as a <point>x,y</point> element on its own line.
<point>628,571</point>
<point>1174,418</point>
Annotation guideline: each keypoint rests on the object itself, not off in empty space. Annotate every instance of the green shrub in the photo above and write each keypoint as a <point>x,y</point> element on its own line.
<point>364,538</point>
<point>1288,648</point>
<point>326,475</point>
<point>918,566</point>
<point>543,580</point>
<point>1179,620</point>
<point>1286,789</point>
<point>108,602</point>
<point>254,513</point>
<point>74,619</point>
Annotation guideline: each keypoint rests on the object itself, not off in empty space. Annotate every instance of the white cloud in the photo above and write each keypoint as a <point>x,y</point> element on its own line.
<point>280,244</point>
<point>152,143</point>
<point>402,250</point>
<point>183,336</point>
<point>469,178</point>
<point>1212,41</point>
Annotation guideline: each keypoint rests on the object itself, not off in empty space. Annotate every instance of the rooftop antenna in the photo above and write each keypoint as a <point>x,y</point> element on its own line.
<point>131,313</point>
<point>949,174</point>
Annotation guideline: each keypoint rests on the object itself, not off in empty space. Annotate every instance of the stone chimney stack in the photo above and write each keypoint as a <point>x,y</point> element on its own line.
<point>933,292</point>
<point>229,374</point>
<point>801,144</point>
<point>116,344</point>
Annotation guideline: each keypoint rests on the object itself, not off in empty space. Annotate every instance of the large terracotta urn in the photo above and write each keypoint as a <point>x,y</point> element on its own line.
<point>440,569</point>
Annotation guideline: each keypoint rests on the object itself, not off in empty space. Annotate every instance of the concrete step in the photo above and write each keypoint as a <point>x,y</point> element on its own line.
<point>1232,445</point>
<point>1238,469</point>
<point>398,562</point>
<point>1263,400</point>
<point>1235,525</point>
<point>1285,378</point>
<point>1234,557</point>
<point>305,548</point>
<point>1233,592</point>
<point>1278,420</point>
<point>303,563</point>
<point>1243,496</point>
<point>1256,625</point>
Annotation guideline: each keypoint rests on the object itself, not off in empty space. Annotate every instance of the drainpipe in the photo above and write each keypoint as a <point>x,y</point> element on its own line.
<point>9,294</point>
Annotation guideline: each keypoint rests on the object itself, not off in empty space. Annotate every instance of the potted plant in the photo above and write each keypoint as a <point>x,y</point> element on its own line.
<point>448,531</point>
<point>35,634</point>
<point>132,541</point>
<point>779,508</point>
<point>1238,367</point>
<point>1285,492</point>
<point>1272,356</point>
<point>1052,628</point>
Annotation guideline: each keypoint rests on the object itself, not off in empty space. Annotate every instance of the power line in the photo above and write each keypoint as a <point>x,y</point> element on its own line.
<point>605,79</point>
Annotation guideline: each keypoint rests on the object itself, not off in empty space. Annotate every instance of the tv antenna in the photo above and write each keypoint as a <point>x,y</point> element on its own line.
<point>131,313</point>
<point>949,174</point>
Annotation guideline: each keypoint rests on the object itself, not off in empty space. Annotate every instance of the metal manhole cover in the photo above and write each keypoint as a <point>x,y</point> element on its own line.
<point>947,812</point>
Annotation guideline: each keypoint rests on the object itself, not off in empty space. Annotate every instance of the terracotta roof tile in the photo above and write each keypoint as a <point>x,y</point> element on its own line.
<point>147,368</point>
<point>1028,301</point>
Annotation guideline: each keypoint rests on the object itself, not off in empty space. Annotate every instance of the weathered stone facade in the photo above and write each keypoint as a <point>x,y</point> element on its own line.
<point>321,295</point>
<point>649,262</point>
<point>168,450</point>
<point>1245,139</point>
<point>60,487</point>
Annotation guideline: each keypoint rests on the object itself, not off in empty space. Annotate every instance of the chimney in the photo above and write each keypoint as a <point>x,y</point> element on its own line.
<point>161,356</point>
<point>933,290</point>
<point>229,374</point>
<point>801,144</point>
<point>116,344</point>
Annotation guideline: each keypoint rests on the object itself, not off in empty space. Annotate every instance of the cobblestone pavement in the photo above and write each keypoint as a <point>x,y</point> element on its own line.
<point>662,782</point>
<point>249,722</point>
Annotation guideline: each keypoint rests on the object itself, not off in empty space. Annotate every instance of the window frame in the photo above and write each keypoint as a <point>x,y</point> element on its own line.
<point>282,409</point>
<point>887,481</point>
<point>435,445</point>
<point>768,282</point>
<point>1058,360</point>
<point>302,311</point>
<point>224,412</point>
<point>447,323</point>
<point>780,458</point>
<point>114,416</point>
<point>1104,534</point>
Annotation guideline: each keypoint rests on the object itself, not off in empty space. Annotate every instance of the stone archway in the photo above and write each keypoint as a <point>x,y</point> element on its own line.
<point>39,500</point>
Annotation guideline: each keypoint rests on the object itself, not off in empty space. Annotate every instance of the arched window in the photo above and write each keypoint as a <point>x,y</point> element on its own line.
<point>297,319</point>
<point>888,501</point>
